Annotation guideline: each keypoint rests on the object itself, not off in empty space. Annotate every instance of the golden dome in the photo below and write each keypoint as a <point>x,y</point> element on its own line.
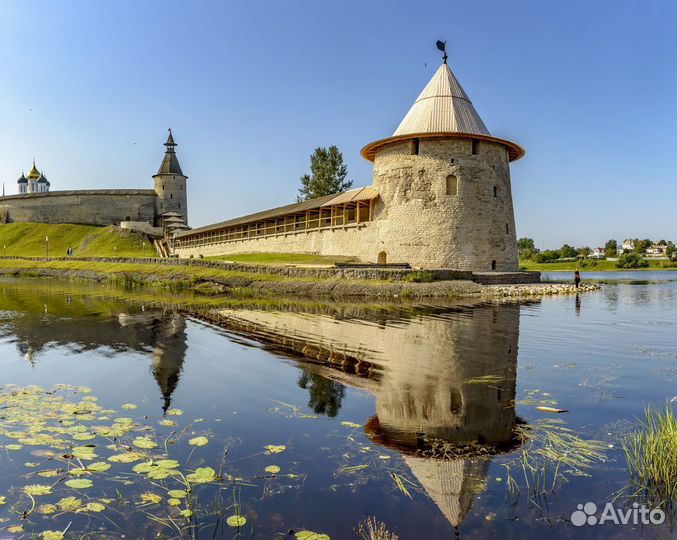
<point>34,173</point>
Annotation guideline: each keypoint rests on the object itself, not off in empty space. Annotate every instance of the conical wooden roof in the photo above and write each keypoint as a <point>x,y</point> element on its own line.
<point>442,109</point>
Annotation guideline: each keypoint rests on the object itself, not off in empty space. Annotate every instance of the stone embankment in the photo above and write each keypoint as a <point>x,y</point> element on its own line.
<point>209,277</point>
<point>537,289</point>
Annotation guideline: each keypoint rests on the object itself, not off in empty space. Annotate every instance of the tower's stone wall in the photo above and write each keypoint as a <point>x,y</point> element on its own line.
<point>426,224</point>
<point>93,207</point>
<point>171,192</point>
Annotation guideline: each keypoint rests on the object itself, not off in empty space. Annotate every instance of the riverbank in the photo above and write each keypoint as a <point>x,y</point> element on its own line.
<point>216,279</point>
<point>593,266</point>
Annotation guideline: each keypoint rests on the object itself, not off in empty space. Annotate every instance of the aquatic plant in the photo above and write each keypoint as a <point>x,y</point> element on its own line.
<point>371,529</point>
<point>651,454</point>
<point>549,454</point>
<point>88,452</point>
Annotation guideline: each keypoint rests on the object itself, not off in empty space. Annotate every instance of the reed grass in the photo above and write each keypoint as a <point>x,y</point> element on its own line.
<point>651,454</point>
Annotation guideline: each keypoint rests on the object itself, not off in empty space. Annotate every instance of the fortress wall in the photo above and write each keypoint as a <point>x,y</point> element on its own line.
<point>424,224</point>
<point>361,242</point>
<point>95,207</point>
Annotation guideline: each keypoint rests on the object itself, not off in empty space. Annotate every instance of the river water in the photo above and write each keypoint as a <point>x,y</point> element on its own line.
<point>422,416</point>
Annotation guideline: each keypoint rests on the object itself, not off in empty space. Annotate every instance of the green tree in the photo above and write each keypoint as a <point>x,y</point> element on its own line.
<point>327,174</point>
<point>641,245</point>
<point>610,248</point>
<point>631,260</point>
<point>567,252</point>
<point>526,248</point>
<point>325,395</point>
<point>670,251</point>
<point>549,255</point>
<point>584,251</point>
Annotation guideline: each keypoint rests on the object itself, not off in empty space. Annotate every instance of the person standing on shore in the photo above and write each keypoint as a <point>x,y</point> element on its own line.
<point>577,278</point>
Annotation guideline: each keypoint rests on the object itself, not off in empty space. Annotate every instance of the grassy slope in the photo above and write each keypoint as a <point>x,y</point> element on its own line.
<point>28,240</point>
<point>592,266</point>
<point>165,275</point>
<point>282,258</point>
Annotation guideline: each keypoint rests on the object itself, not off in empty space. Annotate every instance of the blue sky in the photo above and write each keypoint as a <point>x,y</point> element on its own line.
<point>251,88</point>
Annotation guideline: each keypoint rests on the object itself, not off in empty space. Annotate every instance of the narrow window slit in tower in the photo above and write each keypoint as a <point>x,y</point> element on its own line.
<point>495,191</point>
<point>507,230</point>
<point>416,146</point>
<point>452,185</point>
<point>475,147</point>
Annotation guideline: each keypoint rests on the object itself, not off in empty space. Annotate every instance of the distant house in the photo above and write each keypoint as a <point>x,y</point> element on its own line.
<point>598,253</point>
<point>657,250</point>
<point>628,244</point>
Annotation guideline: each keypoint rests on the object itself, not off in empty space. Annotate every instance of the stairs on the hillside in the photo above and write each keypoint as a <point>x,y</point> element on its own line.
<point>161,248</point>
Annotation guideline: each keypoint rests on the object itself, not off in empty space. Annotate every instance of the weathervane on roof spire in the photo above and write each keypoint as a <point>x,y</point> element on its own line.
<point>442,46</point>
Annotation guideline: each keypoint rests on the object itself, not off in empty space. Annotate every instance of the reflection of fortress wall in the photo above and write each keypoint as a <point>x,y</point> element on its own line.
<point>45,318</point>
<point>432,367</point>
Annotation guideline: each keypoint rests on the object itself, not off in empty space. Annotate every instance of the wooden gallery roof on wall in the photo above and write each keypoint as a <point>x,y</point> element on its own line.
<point>354,195</point>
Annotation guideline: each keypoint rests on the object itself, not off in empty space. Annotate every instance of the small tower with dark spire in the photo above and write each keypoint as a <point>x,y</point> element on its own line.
<point>170,183</point>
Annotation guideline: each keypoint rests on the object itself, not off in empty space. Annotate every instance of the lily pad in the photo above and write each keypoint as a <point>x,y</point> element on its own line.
<point>129,406</point>
<point>174,502</point>
<point>84,452</point>
<point>310,535</point>
<point>152,498</point>
<point>79,483</point>
<point>158,474</point>
<point>37,489</point>
<point>272,469</point>
<point>99,466</point>
<point>177,493</point>
<point>174,412</point>
<point>186,513</point>
<point>46,509</point>
<point>202,475</point>
<point>236,521</point>
<point>3,499</point>
<point>83,436</point>
<point>13,447</point>
<point>95,507</point>
<point>15,529</point>
<point>69,503</point>
<point>127,457</point>
<point>351,425</point>
<point>167,463</point>
<point>52,535</point>
<point>144,442</point>
<point>198,441</point>
<point>167,423</point>
<point>49,473</point>
<point>275,448</point>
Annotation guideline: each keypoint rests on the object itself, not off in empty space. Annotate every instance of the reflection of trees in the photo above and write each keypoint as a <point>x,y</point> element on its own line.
<point>325,395</point>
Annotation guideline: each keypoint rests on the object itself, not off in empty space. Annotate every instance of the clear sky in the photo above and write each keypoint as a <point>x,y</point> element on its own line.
<point>251,88</point>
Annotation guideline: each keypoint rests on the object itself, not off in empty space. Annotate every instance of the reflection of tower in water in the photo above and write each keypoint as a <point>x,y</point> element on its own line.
<point>169,343</point>
<point>455,390</point>
<point>444,386</point>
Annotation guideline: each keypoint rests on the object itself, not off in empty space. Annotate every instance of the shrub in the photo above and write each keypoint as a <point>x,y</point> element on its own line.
<point>419,276</point>
<point>632,260</point>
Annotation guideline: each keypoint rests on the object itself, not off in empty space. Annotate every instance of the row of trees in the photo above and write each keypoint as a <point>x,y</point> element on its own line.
<point>529,251</point>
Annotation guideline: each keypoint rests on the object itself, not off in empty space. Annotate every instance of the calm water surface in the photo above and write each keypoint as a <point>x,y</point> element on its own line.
<point>405,413</point>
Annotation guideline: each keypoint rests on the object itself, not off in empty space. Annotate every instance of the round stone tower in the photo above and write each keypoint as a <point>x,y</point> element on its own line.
<point>444,186</point>
<point>170,184</point>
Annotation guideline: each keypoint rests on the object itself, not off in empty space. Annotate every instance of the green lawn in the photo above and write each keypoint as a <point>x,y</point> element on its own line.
<point>283,258</point>
<point>592,266</point>
<point>28,240</point>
